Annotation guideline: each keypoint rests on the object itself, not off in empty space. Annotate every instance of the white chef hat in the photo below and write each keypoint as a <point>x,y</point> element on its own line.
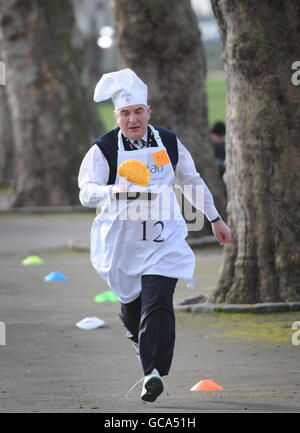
<point>123,87</point>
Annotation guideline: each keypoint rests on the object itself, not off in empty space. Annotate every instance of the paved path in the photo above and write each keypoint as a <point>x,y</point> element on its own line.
<point>49,365</point>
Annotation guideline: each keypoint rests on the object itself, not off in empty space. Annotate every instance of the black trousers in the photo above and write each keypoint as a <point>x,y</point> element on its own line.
<point>150,321</point>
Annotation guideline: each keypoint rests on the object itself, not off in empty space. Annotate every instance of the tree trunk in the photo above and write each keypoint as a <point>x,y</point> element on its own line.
<point>160,40</point>
<point>53,119</point>
<point>260,43</point>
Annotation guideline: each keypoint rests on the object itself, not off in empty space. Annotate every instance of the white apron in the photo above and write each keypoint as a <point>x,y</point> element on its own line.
<point>138,237</point>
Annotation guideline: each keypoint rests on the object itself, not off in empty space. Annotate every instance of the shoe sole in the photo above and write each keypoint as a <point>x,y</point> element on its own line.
<point>154,388</point>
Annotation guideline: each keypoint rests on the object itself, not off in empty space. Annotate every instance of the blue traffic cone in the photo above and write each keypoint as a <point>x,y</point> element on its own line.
<point>55,276</point>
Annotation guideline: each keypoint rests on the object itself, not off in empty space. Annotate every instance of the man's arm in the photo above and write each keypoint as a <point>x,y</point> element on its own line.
<point>186,174</point>
<point>92,179</point>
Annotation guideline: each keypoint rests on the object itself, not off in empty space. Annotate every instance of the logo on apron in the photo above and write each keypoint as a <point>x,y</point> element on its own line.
<point>161,158</point>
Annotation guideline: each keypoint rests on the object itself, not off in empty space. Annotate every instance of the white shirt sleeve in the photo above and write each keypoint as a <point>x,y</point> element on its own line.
<point>92,179</point>
<point>187,178</point>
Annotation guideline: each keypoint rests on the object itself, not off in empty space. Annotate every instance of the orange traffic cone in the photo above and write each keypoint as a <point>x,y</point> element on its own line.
<point>206,385</point>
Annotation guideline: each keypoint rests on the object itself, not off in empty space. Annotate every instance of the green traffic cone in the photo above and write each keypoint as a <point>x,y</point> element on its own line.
<point>32,260</point>
<point>109,296</point>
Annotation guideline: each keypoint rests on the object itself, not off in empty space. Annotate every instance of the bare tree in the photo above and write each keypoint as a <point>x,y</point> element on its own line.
<point>260,43</point>
<point>161,42</point>
<point>53,119</point>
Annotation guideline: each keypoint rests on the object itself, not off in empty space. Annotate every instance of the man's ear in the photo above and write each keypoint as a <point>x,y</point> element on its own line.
<point>116,118</point>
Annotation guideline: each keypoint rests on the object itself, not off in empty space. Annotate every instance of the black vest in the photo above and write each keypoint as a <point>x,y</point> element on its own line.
<point>108,144</point>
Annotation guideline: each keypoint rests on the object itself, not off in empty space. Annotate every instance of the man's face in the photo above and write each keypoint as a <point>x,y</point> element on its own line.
<point>217,139</point>
<point>133,120</point>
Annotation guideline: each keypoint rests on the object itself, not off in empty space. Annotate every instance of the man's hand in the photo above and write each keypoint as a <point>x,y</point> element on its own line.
<point>119,188</point>
<point>221,231</point>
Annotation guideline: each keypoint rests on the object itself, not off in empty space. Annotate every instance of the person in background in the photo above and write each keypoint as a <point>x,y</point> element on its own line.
<point>217,134</point>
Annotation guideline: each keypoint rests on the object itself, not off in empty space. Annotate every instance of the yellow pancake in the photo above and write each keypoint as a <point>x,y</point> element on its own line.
<point>135,172</point>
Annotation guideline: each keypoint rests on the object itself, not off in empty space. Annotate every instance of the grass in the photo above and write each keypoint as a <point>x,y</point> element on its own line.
<point>271,328</point>
<point>216,101</point>
<point>275,328</point>
<point>216,98</point>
